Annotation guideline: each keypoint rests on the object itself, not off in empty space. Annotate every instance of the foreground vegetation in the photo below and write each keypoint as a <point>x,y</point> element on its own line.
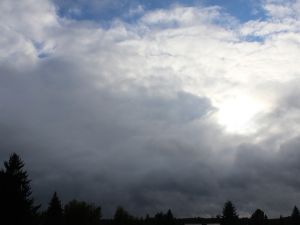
<point>17,207</point>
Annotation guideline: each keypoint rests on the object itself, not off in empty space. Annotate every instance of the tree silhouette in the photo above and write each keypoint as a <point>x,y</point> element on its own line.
<point>295,217</point>
<point>54,214</point>
<point>164,219</point>
<point>81,213</point>
<point>229,217</point>
<point>170,220</point>
<point>122,217</point>
<point>16,204</point>
<point>258,217</point>
<point>147,220</point>
<point>17,208</point>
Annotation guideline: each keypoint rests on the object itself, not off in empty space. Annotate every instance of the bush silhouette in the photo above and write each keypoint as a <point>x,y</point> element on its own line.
<point>122,217</point>
<point>82,213</point>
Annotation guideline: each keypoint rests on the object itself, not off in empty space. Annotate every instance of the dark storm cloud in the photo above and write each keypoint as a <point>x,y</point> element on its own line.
<point>97,143</point>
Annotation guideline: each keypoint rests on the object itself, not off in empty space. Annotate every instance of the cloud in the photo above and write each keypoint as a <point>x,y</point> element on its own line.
<point>278,9</point>
<point>130,114</point>
<point>65,128</point>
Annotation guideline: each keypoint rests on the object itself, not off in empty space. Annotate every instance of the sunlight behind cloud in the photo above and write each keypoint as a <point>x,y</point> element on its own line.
<point>238,114</point>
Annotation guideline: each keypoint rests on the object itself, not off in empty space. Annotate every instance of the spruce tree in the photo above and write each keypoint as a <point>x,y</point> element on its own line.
<point>229,217</point>
<point>16,204</point>
<point>295,213</point>
<point>295,217</point>
<point>54,214</point>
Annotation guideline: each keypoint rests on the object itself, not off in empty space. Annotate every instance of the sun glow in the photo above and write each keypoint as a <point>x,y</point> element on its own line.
<point>238,114</point>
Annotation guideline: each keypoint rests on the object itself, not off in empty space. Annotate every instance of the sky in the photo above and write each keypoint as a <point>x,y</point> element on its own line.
<point>154,105</point>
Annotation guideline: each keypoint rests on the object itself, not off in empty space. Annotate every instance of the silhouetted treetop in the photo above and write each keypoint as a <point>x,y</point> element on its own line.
<point>79,213</point>
<point>164,218</point>
<point>169,214</point>
<point>122,217</point>
<point>54,214</point>
<point>295,213</point>
<point>230,215</point>
<point>17,205</point>
<point>258,217</point>
<point>229,210</point>
<point>295,217</point>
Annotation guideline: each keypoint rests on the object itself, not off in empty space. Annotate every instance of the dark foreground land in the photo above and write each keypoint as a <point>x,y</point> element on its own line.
<point>214,221</point>
<point>17,207</point>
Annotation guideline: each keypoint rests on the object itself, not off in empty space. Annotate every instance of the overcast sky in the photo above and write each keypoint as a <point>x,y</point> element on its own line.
<point>154,104</point>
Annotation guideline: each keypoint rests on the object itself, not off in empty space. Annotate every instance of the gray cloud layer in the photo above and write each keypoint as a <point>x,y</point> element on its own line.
<point>129,115</point>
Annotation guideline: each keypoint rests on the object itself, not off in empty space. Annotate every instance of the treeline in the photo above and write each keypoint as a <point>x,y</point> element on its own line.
<point>17,207</point>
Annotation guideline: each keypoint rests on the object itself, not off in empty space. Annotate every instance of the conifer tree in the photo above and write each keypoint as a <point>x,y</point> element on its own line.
<point>230,216</point>
<point>295,213</point>
<point>295,217</point>
<point>170,218</point>
<point>16,204</point>
<point>54,214</point>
